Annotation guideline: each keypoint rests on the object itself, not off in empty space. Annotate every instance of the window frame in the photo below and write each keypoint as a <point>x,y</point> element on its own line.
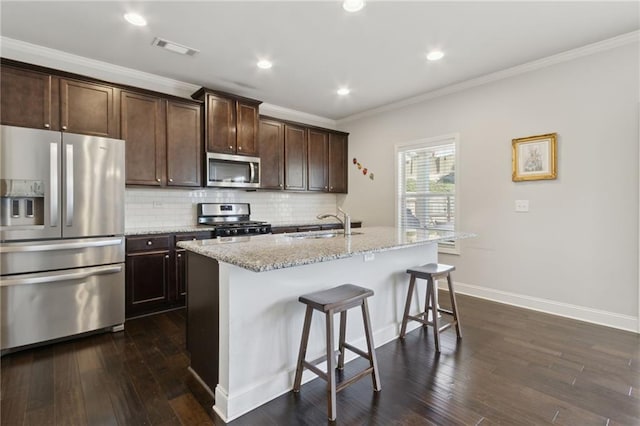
<point>450,248</point>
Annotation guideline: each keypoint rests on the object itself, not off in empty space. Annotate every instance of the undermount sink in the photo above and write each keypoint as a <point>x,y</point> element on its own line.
<point>312,235</point>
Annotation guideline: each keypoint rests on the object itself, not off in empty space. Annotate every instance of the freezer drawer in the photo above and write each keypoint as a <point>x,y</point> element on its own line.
<point>38,307</point>
<point>36,256</point>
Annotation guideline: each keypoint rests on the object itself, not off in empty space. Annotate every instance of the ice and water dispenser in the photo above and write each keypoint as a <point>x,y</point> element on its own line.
<point>21,202</point>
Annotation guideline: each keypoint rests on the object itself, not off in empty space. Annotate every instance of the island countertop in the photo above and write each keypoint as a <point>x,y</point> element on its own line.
<point>262,253</point>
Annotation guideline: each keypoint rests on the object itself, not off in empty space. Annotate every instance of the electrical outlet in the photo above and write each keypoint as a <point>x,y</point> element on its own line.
<point>368,257</point>
<point>522,206</point>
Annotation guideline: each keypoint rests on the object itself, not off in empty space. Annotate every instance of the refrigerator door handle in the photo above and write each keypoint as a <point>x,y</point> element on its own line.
<point>53,178</point>
<point>60,246</point>
<point>62,277</point>
<point>69,182</point>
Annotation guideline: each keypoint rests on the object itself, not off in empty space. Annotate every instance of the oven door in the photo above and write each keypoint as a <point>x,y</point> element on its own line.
<point>233,171</point>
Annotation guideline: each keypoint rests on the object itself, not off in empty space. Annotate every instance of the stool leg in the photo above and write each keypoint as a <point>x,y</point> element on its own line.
<point>373,361</point>
<point>343,332</point>
<point>407,306</point>
<point>303,348</point>
<point>331,369</point>
<point>432,290</point>
<point>454,307</point>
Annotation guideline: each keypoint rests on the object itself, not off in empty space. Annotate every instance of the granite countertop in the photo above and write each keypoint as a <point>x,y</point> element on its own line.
<point>167,229</point>
<point>262,253</point>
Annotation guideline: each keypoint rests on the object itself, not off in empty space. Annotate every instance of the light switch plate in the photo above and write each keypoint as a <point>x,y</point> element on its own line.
<point>522,206</point>
<point>368,257</point>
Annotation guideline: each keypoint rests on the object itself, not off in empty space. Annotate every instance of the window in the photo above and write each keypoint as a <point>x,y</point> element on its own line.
<point>426,190</point>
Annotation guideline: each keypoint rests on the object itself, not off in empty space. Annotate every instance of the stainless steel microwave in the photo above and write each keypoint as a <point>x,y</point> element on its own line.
<point>232,171</point>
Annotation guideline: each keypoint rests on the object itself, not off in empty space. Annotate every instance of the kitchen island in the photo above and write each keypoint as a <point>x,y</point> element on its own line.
<point>244,318</point>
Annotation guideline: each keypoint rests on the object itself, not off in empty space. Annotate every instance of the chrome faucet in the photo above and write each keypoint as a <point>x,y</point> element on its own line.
<point>346,222</point>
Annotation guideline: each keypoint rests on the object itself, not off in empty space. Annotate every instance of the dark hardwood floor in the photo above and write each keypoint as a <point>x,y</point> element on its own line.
<point>513,367</point>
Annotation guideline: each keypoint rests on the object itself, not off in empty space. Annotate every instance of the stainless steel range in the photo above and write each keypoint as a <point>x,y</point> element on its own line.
<point>230,219</point>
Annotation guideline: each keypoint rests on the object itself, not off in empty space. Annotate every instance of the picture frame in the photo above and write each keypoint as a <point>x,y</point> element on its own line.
<point>534,158</point>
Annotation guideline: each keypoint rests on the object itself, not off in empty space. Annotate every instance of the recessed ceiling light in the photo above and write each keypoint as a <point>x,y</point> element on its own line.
<point>264,64</point>
<point>135,19</point>
<point>352,5</point>
<point>435,55</point>
<point>343,91</point>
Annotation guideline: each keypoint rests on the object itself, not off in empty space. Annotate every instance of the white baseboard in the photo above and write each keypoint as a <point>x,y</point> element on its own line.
<point>244,400</point>
<point>596,316</point>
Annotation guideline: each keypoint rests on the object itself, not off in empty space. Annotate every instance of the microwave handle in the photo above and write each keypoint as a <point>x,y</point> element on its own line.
<point>252,166</point>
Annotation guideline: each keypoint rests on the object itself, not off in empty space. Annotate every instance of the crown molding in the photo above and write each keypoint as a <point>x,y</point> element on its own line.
<point>294,115</point>
<point>590,49</point>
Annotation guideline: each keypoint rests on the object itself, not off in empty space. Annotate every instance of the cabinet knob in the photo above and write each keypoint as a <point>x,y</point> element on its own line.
<point>170,180</point>
<point>166,256</point>
<point>239,148</point>
<point>158,179</point>
<point>331,188</point>
<point>47,125</point>
<point>179,255</point>
<point>325,187</point>
<point>149,243</point>
<point>64,127</point>
<point>280,185</point>
<point>193,239</point>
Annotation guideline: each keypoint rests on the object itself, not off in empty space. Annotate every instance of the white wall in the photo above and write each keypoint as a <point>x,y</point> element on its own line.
<point>576,251</point>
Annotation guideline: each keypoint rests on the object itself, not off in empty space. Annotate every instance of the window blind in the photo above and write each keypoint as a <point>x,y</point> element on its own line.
<point>427,185</point>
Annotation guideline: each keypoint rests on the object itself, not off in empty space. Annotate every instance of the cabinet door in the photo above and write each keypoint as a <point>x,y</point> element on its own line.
<point>221,124</point>
<point>147,282</point>
<point>295,157</point>
<point>338,153</point>
<point>181,278</point>
<point>317,160</point>
<point>88,108</point>
<point>184,144</point>
<point>143,130</point>
<point>26,99</point>
<point>246,128</point>
<point>271,146</point>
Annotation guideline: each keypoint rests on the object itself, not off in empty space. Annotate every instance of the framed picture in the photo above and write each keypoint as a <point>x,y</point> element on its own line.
<point>534,158</point>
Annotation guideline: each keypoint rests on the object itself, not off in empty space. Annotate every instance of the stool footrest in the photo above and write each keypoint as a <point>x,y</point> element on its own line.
<point>417,318</point>
<point>445,311</point>
<point>315,369</point>
<point>446,326</point>
<point>356,350</point>
<point>353,379</point>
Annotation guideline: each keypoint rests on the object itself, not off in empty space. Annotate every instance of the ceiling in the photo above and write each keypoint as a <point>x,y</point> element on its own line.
<point>317,47</point>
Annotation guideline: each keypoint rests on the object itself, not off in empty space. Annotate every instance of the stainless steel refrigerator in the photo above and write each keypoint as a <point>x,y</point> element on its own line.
<point>61,235</point>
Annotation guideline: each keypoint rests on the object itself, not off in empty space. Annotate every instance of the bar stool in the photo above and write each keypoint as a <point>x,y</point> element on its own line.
<point>432,272</point>
<point>333,301</point>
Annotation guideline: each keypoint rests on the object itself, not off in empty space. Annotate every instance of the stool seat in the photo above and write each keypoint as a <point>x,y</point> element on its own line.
<point>432,272</point>
<point>332,301</point>
<point>336,299</point>
<point>430,269</point>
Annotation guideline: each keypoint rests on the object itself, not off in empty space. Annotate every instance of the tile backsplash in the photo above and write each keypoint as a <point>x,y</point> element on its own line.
<point>177,207</point>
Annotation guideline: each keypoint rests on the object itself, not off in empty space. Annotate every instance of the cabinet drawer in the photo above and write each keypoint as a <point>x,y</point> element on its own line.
<point>148,243</point>
<point>204,235</point>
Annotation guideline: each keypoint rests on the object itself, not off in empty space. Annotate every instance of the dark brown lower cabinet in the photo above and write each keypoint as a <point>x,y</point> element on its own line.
<point>155,272</point>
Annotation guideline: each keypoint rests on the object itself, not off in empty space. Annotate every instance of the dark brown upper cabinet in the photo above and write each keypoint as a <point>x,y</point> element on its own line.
<point>184,144</point>
<point>271,147</point>
<point>163,140</point>
<point>40,100</point>
<point>298,157</point>
<point>143,124</point>
<point>88,108</point>
<point>295,157</point>
<point>317,160</point>
<point>338,161</point>
<point>29,99</point>
<point>230,122</point>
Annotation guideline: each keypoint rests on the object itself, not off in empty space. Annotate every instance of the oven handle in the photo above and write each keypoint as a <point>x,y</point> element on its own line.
<point>62,277</point>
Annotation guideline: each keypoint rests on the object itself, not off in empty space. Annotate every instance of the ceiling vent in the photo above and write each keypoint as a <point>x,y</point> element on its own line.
<point>174,47</point>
